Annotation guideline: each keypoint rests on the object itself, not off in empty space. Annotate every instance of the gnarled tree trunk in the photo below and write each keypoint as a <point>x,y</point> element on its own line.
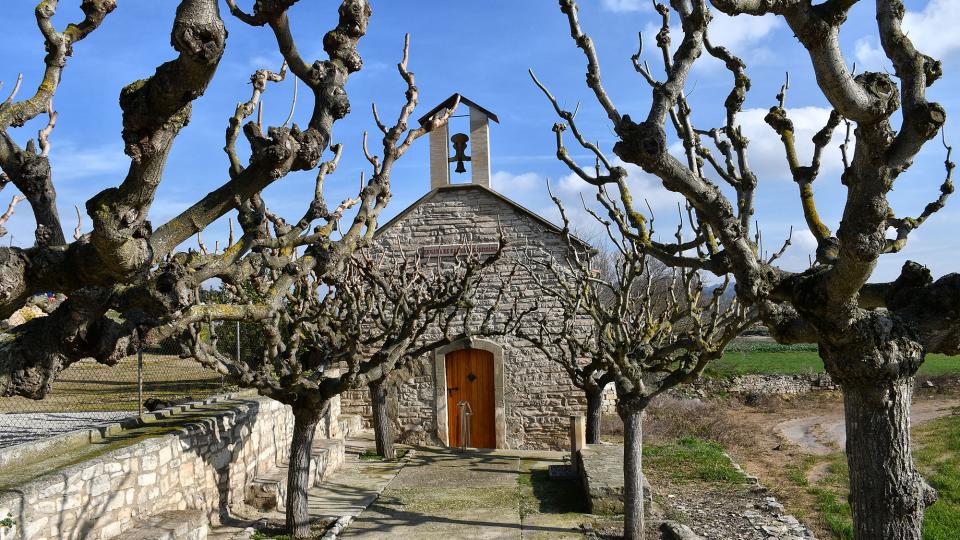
<point>633,524</point>
<point>382,423</point>
<point>594,413</point>
<point>298,474</point>
<point>887,494</point>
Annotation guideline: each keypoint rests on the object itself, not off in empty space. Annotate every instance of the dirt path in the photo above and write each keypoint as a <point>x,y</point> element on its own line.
<point>791,445</point>
<point>825,433</point>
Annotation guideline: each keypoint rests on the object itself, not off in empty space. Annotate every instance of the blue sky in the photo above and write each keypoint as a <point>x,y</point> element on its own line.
<point>482,50</point>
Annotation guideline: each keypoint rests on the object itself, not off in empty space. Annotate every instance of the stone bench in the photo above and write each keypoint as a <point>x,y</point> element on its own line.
<point>601,472</point>
<point>268,490</point>
<point>173,525</point>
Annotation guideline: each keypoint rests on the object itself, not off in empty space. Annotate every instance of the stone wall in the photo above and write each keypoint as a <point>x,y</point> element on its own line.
<point>537,394</point>
<point>203,463</point>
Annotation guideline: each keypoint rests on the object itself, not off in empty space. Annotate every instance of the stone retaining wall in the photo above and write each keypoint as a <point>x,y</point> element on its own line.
<point>203,463</point>
<point>751,384</point>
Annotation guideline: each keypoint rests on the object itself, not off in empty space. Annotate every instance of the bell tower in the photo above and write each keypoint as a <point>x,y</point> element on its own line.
<point>460,148</point>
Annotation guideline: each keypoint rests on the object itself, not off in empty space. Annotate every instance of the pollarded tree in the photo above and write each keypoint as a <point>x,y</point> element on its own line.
<point>872,337</point>
<point>645,331</point>
<point>328,334</point>
<point>125,264</point>
<point>322,302</point>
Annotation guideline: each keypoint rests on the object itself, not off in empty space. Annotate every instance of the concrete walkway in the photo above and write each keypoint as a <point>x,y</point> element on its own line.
<point>443,494</point>
<point>356,484</point>
<point>347,492</point>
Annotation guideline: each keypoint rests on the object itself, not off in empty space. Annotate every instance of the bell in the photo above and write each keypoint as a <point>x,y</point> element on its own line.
<point>459,141</point>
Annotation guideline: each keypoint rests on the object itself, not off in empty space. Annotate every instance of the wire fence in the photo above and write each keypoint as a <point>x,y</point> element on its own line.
<point>88,394</point>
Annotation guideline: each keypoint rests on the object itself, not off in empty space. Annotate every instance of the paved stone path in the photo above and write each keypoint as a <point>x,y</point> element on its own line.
<point>443,494</point>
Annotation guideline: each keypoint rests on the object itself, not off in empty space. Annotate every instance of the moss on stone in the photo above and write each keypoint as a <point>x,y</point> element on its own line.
<point>59,457</point>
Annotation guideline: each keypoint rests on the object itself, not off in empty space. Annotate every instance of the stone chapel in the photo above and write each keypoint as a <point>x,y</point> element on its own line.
<point>519,398</point>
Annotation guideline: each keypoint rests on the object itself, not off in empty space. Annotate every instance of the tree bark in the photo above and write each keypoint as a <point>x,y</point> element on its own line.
<point>382,423</point>
<point>594,413</point>
<point>632,473</point>
<point>298,473</point>
<point>887,494</point>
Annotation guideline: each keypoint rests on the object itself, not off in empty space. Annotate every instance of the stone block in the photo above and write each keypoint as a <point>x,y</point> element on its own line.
<point>147,479</point>
<point>173,525</point>
<point>601,472</point>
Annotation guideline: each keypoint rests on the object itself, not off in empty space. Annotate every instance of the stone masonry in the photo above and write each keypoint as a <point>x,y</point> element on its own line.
<point>538,397</point>
<point>203,464</point>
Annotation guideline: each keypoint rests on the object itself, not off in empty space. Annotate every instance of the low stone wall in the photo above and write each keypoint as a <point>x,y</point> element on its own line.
<point>760,384</point>
<point>203,463</point>
<point>751,384</point>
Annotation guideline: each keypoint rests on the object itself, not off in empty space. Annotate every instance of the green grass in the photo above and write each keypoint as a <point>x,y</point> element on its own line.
<point>692,460</point>
<point>372,455</point>
<point>803,360</point>
<point>257,535</point>
<point>937,455</point>
<point>89,386</point>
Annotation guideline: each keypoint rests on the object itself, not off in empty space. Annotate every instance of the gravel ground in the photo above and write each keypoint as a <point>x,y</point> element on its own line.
<point>19,428</point>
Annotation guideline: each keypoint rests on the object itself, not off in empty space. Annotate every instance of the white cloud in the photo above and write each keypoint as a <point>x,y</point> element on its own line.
<point>643,187</point>
<point>766,153</point>
<point>517,184</point>
<point>739,33</point>
<point>69,161</point>
<point>797,257</point>
<point>530,190</point>
<point>934,28</point>
<point>870,56</point>
<point>743,36</point>
<point>621,6</point>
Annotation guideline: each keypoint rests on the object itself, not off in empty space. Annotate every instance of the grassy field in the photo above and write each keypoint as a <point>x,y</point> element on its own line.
<point>689,459</point>
<point>787,361</point>
<point>937,456</point>
<point>88,386</point>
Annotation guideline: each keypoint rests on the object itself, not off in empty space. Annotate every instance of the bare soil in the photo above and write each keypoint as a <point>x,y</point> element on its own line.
<point>777,439</point>
<point>785,433</point>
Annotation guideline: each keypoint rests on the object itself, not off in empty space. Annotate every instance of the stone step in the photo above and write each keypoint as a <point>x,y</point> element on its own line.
<point>350,425</point>
<point>173,525</point>
<point>326,456</point>
<point>268,490</point>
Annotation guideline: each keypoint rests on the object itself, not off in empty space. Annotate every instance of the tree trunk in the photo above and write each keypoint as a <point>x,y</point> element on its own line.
<point>594,413</point>
<point>382,423</point>
<point>298,474</point>
<point>887,494</point>
<point>632,473</point>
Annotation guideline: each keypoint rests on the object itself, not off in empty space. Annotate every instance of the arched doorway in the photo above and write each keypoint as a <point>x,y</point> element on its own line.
<point>470,377</point>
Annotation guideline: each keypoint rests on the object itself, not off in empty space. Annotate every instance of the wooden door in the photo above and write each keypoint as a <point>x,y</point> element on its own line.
<point>470,379</point>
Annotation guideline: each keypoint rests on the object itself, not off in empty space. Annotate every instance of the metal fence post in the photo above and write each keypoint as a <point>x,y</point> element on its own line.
<point>140,379</point>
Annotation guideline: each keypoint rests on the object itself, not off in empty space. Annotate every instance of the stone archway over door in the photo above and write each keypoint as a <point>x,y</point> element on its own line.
<point>470,379</point>
<point>441,411</point>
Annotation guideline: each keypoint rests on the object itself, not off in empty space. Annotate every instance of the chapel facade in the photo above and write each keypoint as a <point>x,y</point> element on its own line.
<point>519,398</point>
